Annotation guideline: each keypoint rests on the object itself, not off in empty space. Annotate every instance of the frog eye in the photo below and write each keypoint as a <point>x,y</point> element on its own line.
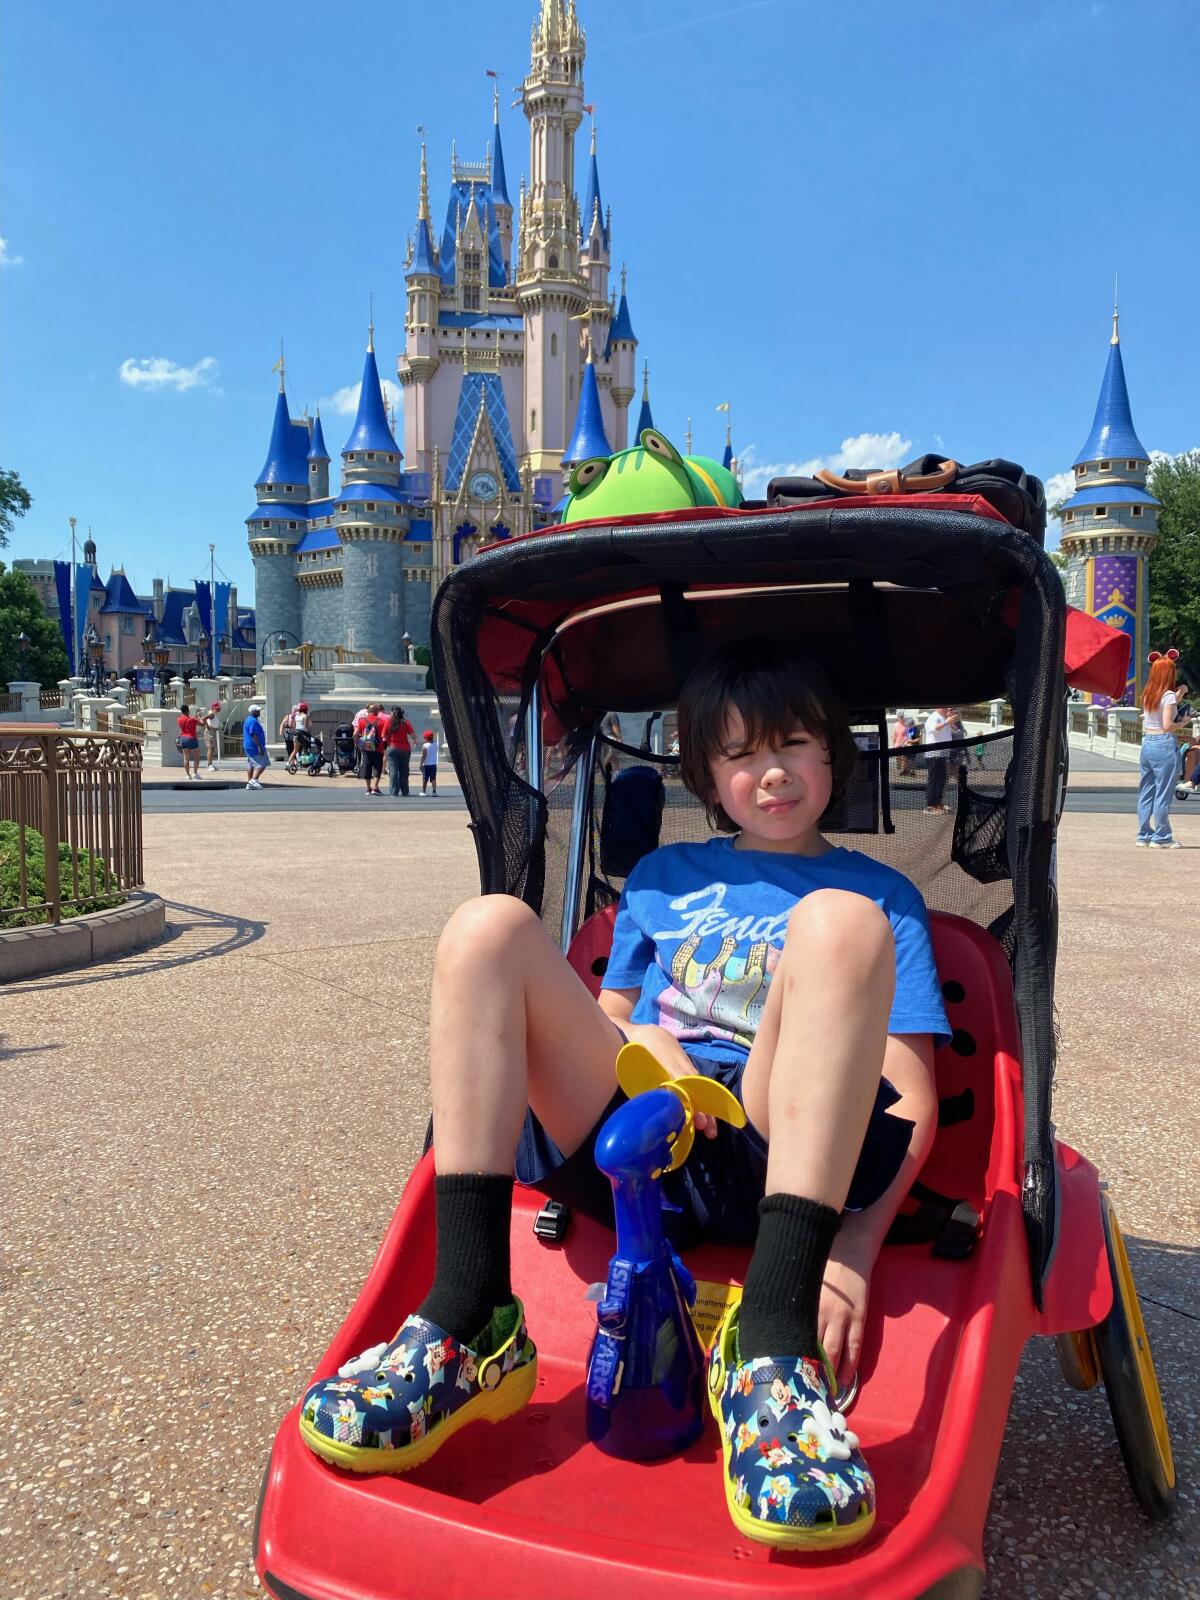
<point>590,471</point>
<point>660,446</point>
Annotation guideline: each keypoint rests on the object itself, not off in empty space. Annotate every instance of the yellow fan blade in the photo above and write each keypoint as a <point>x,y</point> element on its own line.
<point>711,1099</point>
<point>639,1070</point>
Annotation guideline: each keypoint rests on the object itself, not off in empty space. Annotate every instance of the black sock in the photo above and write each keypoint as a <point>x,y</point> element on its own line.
<point>783,1282</point>
<point>473,1272</point>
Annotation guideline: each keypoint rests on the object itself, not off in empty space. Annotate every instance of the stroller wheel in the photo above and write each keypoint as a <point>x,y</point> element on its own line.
<point>1127,1366</point>
<point>1183,792</point>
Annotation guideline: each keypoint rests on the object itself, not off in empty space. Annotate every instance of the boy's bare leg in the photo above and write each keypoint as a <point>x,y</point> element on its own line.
<point>511,1025</point>
<point>810,1083</point>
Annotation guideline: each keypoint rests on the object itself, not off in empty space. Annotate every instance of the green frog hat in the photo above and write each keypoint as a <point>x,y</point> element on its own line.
<point>652,476</point>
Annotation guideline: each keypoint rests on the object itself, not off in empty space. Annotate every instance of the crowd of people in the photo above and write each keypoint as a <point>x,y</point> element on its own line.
<point>942,728</point>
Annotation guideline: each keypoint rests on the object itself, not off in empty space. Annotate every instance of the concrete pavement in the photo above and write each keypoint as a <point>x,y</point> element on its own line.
<point>206,1141</point>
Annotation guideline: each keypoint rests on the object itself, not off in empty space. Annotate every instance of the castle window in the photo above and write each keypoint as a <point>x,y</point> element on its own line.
<point>1131,465</point>
<point>533,420</point>
<point>1137,511</point>
<point>1081,472</point>
<point>1100,511</point>
<point>370,505</point>
<point>370,455</point>
<point>553,262</point>
<point>553,344</point>
<point>471,297</point>
<point>471,261</point>
<point>1105,466</point>
<point>292,526</point>
<point>1070,517</point>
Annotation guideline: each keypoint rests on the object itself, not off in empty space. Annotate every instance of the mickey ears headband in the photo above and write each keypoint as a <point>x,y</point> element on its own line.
<point>1158,655</point>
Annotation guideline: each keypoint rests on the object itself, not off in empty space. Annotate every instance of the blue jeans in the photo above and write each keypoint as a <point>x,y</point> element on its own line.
<point>1160,773</point>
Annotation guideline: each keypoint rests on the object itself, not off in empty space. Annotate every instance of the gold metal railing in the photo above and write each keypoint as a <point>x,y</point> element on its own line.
<point>320,657</point>
<point>82,792</point>
<point>50,699</point>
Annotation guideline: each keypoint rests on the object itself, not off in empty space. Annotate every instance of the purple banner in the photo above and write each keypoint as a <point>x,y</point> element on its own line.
<point>1113,599</point>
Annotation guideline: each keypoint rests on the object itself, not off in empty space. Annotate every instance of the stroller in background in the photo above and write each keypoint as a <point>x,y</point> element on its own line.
<point>344,752</point>
<point>308,755</point>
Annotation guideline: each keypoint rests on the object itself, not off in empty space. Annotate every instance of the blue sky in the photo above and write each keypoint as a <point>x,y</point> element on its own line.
<point>864,219</point>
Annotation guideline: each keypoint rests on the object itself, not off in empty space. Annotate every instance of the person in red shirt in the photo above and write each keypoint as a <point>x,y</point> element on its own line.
<point>371,736</point>
<point>399,738</point>
<point>189,743</point>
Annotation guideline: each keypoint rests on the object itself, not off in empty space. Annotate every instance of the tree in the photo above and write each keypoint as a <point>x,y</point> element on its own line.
<point>15,501</point>
<point>1175,561</point>
<point>21,612</point>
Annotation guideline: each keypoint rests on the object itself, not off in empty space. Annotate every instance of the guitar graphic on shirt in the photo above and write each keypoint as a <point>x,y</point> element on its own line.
<point>725,994</point>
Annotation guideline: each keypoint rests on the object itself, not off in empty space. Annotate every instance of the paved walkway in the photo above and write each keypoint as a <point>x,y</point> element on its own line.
<point>205,1143</point>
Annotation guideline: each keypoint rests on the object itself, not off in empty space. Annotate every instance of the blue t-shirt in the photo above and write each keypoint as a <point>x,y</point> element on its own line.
<point>253,740</point>
<point>700,929</point>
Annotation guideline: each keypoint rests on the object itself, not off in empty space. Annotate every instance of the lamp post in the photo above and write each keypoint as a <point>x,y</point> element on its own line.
<point>275,642</point>
<point>95,648</point>
<point>406,642</point>
<point>202,648</point>
<point>23,644</point>
<point>162,657</point>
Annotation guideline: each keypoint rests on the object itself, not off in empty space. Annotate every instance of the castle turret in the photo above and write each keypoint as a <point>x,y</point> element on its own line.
<point>318,463</point>
<point>501,203</point>
<point>622,357</point>
<point>420,359</point>
<point>550,287</point>
<point>1110,522</point>
<point>645,417</point>
<point>595,229</point>
<point>278,522</point>
<point>372,522</point>
<point>589,438</point>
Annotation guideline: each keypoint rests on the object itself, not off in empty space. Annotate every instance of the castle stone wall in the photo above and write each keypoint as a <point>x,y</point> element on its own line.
<point>323,610</point>
<point>277,598</point>
<point>373,595</point>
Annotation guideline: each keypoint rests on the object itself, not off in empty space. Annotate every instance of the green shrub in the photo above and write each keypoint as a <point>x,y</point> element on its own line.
<point>35,878</point>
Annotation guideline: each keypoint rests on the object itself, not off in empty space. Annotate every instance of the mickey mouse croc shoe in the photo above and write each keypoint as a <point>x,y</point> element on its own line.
<point>391,1408</point>
<point>794,1477</point>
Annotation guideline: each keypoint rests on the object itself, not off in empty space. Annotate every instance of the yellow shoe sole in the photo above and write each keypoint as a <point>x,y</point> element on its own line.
<point>780,1535</point>
<point>492,1405</point>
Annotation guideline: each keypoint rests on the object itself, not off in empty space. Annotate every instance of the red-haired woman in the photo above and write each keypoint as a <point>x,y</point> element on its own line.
<point>1160,754</point>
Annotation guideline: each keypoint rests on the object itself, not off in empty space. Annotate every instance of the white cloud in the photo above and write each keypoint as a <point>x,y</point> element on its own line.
<point>344,402</point>
<point>156,372</point>
<point>5,259</point>
<point>881,450</point>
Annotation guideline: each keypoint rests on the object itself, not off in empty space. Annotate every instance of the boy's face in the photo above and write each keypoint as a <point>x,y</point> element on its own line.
<point>776,793</point>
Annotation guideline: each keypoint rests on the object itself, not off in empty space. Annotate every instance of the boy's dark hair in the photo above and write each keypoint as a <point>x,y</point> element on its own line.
<point>771,688</point>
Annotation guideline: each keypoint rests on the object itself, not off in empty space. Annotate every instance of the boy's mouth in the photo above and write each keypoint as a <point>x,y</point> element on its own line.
<point>779,808</point>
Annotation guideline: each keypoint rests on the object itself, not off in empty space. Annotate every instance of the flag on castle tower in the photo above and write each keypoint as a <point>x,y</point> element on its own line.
<point>488,73</point>
<point>724,406</point>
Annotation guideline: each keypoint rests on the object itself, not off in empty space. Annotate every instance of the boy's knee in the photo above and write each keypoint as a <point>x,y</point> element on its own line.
<point>491,927</point>
<point>842,923</point>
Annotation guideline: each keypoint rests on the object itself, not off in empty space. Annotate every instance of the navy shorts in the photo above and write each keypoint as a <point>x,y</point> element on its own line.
<point>718,1188</point>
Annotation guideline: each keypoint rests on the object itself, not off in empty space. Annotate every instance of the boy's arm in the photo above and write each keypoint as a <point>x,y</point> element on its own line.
<point>908,1066</point>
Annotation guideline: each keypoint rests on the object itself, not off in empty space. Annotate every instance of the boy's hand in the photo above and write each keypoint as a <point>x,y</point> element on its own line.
<point>671,1056</point>
<point>842,1312</point>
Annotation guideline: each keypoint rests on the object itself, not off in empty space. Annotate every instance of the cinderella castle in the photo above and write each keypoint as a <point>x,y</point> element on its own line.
<point>519,360</point>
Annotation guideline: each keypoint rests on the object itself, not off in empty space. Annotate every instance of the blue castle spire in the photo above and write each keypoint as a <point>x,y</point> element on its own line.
<point>727,455</point>
<point>499,182</point>
<point>622,327</point>
<point>316,449</point>
<point>281,465</point>
<point>371,430</point>
<point>645,418</point>
<point>1113,434</point>
<point>593,198</point>
<point>589,438</point>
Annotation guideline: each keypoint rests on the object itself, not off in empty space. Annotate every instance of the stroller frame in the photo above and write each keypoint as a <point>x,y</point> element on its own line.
<point>533,642</point>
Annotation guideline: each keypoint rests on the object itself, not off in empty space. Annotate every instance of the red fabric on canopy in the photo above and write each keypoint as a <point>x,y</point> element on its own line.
<point>1096,658</point>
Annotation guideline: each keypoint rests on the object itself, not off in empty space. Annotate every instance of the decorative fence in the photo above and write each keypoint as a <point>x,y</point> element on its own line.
<point>82,793</point>
<point>321,657</point>
<point>50,699</point>
<point>10,702</point>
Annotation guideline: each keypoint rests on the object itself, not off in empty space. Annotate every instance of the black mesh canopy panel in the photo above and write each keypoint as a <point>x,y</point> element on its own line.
<point>535,640</point>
